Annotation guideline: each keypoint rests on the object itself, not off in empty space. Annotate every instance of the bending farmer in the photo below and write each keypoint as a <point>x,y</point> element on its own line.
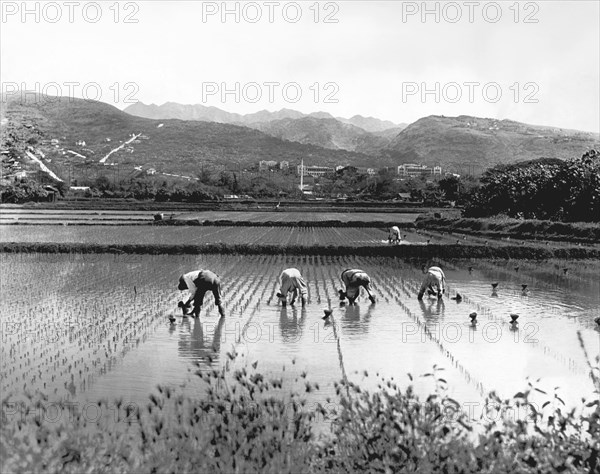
<point>353,279</point>
<point>394,237</point>
<point>291,281</point>
<point>199,282</point>
<point>434,282</point>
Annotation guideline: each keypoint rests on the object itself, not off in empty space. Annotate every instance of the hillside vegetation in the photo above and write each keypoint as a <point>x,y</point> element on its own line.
<point>326,133</point>
<point>467,144</point>
<point>68,132</point>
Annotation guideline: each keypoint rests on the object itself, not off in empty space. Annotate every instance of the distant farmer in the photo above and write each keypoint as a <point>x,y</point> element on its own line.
<point>199,282</point>
<point>353,279</point>
<point>291,281</point>
<point>434,282</point>
<point>394,237</point>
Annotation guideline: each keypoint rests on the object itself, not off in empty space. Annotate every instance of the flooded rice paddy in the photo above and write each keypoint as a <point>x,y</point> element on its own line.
<point>86,327</point>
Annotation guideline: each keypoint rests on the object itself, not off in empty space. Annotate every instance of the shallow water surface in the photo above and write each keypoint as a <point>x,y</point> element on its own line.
<point>85,327</point>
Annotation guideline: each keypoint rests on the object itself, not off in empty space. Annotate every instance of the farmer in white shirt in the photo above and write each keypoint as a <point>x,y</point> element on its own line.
<point>291,281</point>
<point>353,279</point>
<point>435,282</point>
<point>394,237</point>
<point>199,282</point>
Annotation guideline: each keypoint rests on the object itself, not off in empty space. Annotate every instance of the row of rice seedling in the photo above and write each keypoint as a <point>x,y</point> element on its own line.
<point>102,314</point>
<point>186,235</point>
<point>60,340</point>
<point>283,216</point>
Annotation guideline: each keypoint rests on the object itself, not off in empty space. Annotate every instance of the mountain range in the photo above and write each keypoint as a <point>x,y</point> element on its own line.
<point>69,133</point>
<point>173,110</point>
<point>463,144</point>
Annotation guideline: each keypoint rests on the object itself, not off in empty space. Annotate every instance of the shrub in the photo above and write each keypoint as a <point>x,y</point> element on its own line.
<point>245,421</point>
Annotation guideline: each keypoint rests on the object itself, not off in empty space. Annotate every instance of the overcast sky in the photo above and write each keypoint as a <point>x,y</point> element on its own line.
<point>535,62</point>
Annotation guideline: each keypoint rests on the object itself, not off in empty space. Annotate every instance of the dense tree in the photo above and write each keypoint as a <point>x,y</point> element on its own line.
<point>541,189</point>
<point>22,191</point>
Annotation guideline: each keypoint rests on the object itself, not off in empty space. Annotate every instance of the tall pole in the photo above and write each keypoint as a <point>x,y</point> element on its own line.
<point>302,175</point>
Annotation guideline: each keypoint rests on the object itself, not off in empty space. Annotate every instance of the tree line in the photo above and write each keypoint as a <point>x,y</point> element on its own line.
<point>546,188</point>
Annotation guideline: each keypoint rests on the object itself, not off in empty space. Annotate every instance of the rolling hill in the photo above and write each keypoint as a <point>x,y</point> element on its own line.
<point>466,143</point>
<point>73,136</point>
<point>71,133</point>
<point>360,134</point>
<point>327,133</point>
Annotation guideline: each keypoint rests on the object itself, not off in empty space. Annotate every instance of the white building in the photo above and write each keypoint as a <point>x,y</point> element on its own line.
<point>314,171</point>
<point>412,170</point>
<point>265,165</point>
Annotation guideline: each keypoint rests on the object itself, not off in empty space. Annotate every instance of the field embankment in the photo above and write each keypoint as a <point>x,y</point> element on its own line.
<point>515,228</point>
<point>94,204</point>
<point>403,251</point>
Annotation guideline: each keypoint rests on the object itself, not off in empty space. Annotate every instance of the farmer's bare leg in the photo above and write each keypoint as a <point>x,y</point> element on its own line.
<point>371,297</point>
<point>198,300</point>
<point>217,294</point>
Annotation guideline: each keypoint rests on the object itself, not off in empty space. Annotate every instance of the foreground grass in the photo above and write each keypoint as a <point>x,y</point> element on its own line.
<point>248,422</point>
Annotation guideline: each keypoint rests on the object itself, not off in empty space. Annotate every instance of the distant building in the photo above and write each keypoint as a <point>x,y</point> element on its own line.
<point>150,171</point>
<point>284,165</point>
<point>363,170</point>
<point>52,193</point>
<point>81,191</point>
<point>314,171</point>
<point>412,170</point>
<point>265,165</point>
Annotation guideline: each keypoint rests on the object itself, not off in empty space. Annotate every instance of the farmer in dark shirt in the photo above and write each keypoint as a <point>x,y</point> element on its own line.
<point>353,279</point>
<point>199,282</point>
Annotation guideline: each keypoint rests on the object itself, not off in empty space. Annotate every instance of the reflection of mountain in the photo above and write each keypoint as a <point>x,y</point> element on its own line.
<point>289,325</point>
<point>201,340</point>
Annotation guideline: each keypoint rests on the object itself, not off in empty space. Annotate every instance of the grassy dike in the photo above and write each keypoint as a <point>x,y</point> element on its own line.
<point>404,251</point>
<point>515,228</point>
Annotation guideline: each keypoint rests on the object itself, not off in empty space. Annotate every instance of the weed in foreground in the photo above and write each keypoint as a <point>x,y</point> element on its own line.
<point>245,421</point>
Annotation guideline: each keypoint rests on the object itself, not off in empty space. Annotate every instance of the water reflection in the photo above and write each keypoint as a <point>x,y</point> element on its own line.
<point>200,340</point>
<point>290,326</point>
<point>353,322</point>
<point>432,309</point>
